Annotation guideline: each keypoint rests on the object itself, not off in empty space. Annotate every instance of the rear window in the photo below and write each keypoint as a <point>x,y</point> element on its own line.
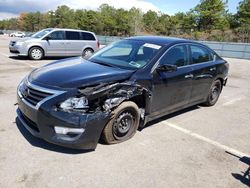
<point>87,36</point>
<point>72,35</point>
<point>200,54</point>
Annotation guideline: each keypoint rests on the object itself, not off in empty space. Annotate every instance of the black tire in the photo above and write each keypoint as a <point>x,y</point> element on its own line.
<point>36,53</point>
<point>123,124</point>
<point>87,53</point>
<point>214,93</point>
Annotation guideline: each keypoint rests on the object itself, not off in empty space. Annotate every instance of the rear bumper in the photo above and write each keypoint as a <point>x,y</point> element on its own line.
<point>41,122</point>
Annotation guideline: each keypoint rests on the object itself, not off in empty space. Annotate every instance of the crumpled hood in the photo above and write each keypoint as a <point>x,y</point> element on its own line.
<point>76,72</point>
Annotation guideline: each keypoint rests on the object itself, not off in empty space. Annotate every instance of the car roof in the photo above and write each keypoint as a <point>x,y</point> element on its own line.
<point>160,40</point>
<point>66,29</point>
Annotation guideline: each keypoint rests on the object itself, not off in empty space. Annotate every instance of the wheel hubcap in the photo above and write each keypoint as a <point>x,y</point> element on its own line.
<point>214,93</point>
<point>36,54</point>
<point>87,53</point>
<point>123,124</point>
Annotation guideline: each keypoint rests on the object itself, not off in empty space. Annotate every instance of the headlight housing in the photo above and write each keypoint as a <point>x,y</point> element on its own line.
<point>20,43</point>
<point>75,103</point>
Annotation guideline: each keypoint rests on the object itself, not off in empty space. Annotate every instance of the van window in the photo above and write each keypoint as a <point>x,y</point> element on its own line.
<point>199,54</point>
<point>57,35</point>
<point>72,35</point>
<point>87,36</point>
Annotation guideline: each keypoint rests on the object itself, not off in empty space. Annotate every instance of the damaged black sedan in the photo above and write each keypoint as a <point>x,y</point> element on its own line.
<point>76,102</point>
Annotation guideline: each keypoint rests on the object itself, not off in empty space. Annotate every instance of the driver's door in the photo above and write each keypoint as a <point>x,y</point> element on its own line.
<point>55,44</point>
<point>172,89</point>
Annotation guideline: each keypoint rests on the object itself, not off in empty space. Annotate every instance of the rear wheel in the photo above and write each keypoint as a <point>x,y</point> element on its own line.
<point>87,53</point>
<point>36,53</point>
<point>214,93</point>
<point>123,124</point>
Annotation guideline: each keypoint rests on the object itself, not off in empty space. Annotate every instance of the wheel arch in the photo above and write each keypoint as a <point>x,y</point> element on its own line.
<point>38,46</point>
<point>221,81</point>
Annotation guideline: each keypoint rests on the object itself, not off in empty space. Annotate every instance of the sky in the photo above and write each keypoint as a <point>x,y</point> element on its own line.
<point>12,8</point>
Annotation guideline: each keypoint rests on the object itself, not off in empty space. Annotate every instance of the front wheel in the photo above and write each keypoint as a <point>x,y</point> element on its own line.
<point>123,124</point>
<point>214,93</point>
<point>36,53</point>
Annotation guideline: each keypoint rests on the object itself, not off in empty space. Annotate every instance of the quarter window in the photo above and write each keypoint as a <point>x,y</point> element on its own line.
<point>175,56</point>
<point>57,35</point>
<point>72,35</point>
<point>199,54</point>
<point>87,36</point>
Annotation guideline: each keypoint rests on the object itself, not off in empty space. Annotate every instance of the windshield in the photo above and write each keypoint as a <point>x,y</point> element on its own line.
<point>41,33</point>
<point>129,54</point>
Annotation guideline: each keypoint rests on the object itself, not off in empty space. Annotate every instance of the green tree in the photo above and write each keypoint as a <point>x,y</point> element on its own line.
<point>136,21</point>
<point>64,17</point>
<point>150,20</point>
<point>108,19</point>
<point>210,14</point>
<point>243,15</point>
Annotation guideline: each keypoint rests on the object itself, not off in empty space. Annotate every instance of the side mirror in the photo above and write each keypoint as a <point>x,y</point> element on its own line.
<point>47,38</point>
<point>166,68</point>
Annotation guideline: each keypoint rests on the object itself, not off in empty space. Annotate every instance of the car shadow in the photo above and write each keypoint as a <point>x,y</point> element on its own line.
<point>37,142</point>
<point>243,177</point>
<point>169,116</point>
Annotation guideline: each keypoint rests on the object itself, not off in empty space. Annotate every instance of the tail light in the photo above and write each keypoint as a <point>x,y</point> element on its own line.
<point>98,44</point>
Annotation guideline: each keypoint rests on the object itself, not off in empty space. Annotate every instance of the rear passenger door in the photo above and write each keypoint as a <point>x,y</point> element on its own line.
<point>73,43</point>
<point>204,71</point>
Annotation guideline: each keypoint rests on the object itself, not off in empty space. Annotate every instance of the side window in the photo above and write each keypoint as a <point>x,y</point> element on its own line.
<point>199,54</point>
<point>175,56</point>
<point>57,35</point>
<point>87,36</point>
<point>72,35</point>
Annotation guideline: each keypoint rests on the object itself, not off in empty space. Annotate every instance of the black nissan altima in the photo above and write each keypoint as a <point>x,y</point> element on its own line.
<point>76,102</point>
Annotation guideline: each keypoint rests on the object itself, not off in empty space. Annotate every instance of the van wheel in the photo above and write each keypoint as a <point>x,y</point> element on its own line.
<point>123,124</point>
<point>87,53</point>
<point>214,93</point>
<point>36,53</point>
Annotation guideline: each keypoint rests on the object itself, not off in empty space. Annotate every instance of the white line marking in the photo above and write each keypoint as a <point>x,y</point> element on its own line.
<point>217,144</point>
<point>231,101</point>
<point>6,55</point>
<point>29,65</point>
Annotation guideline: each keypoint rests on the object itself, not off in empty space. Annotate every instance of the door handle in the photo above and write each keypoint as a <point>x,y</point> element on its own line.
<point>189,76</point>
<point>212,69</point>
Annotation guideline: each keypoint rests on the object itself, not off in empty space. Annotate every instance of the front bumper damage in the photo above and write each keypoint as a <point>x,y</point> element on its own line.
<point>41,121</point>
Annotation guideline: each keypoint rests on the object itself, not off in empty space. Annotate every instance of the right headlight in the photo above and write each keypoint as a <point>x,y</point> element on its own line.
<point>75,103</point>
<point>20,43</point>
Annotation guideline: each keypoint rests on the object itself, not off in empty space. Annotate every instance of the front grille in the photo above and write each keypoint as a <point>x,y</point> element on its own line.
<point>32,95</point>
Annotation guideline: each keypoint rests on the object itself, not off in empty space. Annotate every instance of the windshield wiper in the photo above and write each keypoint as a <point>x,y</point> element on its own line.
<point>101,63</point>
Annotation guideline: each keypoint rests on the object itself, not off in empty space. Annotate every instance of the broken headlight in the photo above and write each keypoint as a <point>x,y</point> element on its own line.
<point>75,103</point>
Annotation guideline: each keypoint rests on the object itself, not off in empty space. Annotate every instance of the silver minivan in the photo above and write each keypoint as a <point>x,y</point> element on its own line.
<point>56,42</point>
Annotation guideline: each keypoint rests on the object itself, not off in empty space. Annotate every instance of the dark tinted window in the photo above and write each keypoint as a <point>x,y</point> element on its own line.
<point>175,56</point>
<point>57,35</point>
<point>72,35</point>
<point>199,54</point>
<point>87,36</point>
